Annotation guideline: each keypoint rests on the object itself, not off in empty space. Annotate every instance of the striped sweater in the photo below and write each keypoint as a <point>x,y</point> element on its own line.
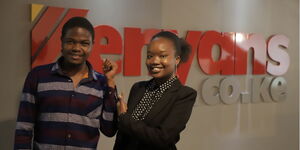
<point>53,114</point>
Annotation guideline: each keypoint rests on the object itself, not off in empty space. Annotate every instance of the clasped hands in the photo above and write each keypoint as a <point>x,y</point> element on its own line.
<point>110,70</point>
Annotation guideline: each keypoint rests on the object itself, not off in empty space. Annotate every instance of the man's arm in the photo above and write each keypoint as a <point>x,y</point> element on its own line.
<point>108,120</point>
<point>27,114</point>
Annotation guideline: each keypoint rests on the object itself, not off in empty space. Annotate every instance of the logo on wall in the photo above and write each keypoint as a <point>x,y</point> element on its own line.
<point>269,58</point>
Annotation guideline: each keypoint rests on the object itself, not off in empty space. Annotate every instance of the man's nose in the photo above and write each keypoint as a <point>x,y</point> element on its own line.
<point>76,46</point>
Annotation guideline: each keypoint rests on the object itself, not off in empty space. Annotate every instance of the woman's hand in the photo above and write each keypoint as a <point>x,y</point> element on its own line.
<point>121,105</point>
<point>110,70</point>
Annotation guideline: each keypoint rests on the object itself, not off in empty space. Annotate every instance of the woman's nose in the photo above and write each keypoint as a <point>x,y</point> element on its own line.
<point>155,60</point>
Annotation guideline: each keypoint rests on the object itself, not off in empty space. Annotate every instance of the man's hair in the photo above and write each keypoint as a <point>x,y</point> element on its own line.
<point>78,22</point>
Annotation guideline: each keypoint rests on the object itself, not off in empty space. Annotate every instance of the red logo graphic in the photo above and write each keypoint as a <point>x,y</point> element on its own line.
<point>234,47</point>
<point>45,35</point>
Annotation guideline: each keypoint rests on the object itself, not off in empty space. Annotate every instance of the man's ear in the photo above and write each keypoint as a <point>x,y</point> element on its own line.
<point>61,43</point>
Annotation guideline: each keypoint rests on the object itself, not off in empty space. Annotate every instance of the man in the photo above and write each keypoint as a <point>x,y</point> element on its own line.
<point>64,104</point>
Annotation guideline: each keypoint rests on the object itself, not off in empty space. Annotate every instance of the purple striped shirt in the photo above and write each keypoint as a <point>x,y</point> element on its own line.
<point>53,114</point>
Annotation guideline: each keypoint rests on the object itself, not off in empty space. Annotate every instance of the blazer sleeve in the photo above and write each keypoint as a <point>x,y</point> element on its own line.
<point>165,134</point>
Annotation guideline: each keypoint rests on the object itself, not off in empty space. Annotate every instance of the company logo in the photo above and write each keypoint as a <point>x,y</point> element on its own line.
<point>45,35</point>
<point>268,56</point>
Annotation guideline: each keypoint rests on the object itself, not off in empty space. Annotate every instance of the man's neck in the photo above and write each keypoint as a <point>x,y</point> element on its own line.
<point>73,70</point>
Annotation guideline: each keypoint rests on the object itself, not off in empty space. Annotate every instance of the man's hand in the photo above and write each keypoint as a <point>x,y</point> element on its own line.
<point>110,70</point>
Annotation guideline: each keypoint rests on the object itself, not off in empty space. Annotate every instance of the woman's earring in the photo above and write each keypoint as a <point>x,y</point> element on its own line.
<point>176,74</point>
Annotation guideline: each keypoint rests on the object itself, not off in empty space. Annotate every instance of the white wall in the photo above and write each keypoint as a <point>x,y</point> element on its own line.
<point>260,126</point>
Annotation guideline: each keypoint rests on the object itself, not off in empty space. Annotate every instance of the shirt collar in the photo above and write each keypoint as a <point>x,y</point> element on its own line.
<point>162,87</point>
<point>56,68</point>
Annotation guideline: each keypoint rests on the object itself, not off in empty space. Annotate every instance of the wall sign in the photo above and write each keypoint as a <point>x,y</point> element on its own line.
<point>270,57</point>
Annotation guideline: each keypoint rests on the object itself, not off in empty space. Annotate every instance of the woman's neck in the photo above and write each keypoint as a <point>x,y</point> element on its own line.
<point>162,80</point>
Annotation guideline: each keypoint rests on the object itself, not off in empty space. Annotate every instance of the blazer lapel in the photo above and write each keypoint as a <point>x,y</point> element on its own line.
<point>167,97</point>
<point>137,96</point>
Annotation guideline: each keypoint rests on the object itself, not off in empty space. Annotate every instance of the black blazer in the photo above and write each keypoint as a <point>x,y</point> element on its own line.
<point>161,128</point>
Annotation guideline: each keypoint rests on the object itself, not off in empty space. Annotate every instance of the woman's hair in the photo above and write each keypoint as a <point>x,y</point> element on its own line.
<point>78,22</point>
<point>182,48</point>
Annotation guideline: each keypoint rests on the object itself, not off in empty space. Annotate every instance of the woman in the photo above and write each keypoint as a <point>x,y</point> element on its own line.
<point>158,109</point>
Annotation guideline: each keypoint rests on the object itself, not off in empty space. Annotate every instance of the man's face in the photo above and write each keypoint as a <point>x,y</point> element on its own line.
<point>76,45</point>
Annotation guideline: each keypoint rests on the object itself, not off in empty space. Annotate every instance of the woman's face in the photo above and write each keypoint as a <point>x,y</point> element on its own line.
<point>161,58</point>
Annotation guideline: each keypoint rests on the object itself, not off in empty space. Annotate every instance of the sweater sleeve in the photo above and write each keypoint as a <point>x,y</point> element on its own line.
<point>27,113</point>
<point>109,117</point>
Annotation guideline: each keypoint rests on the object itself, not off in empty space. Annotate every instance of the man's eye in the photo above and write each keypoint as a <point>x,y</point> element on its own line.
<point>85,44</point>
<point>69,42</point>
